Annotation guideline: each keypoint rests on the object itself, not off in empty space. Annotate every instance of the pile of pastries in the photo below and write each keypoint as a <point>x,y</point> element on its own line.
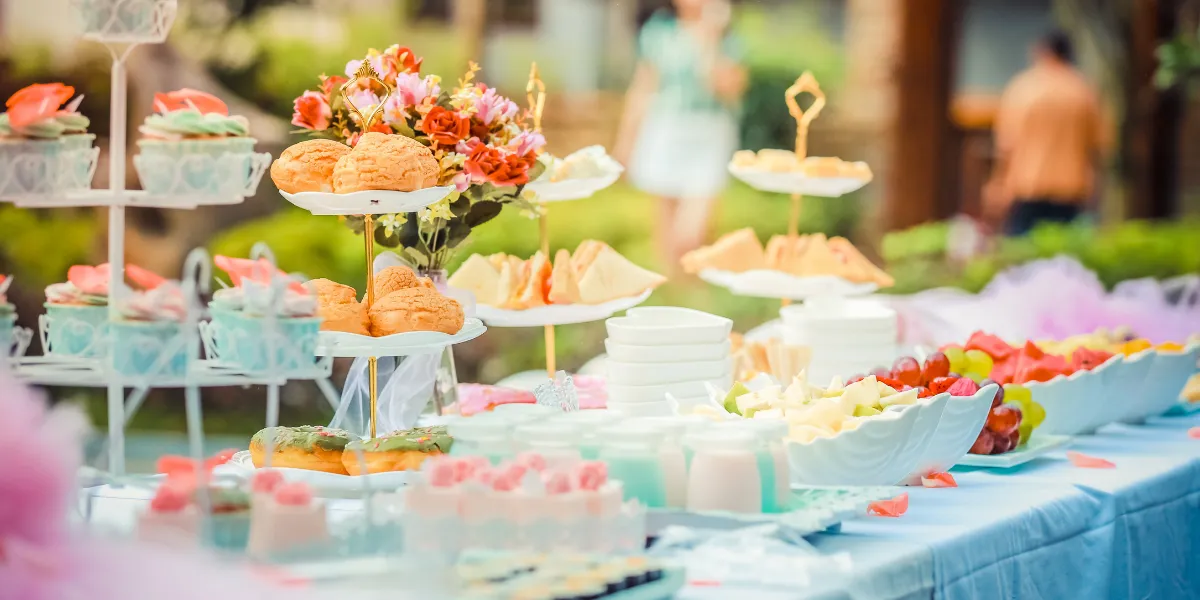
<point>771,357</point>
<point>785,161</point>
<point>379,161</point>
<point>403,302</point>
<point>586,163</point>
<point>595,273</point>
<point>337,451</point>
<point>803,256</point>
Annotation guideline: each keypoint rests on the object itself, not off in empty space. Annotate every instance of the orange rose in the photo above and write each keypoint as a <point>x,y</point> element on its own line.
<point>444,126</point>
<point>311,111</point>
<point>489,164</point>
<point>332,85</point>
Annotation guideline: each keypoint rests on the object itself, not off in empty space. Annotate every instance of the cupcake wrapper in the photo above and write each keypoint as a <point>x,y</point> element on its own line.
<point>77,330</point>
<point>241,340</point>
<point>137,347</point>
<point>217,166</point>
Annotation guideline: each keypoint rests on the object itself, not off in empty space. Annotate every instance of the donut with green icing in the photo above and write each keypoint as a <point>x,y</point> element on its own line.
<point>309,447</point>
<point>403,450</point>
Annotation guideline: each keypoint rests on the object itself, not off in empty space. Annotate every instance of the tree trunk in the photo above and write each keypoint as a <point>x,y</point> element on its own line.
<point>920,136</point>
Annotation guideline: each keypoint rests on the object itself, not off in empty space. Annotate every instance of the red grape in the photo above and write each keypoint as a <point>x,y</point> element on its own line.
<point>881,373</point>
<point>855,379</point>
<point>941,384</point>
<point>937,365</point>
<point>907,370</point>
<point>983,444</point>
<point>1004,419</point>
<point>998,399</point>
<point>1002,444</point>
<point>1015,439</point>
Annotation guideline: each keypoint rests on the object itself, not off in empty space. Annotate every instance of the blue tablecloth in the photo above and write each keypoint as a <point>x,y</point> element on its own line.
<point>1044,530</point>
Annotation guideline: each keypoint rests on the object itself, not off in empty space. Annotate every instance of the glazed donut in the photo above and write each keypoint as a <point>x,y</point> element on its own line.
<point>309,447</point>
<point>397,451</point>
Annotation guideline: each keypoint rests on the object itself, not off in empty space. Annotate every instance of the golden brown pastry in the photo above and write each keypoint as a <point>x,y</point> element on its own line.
<point>309,447</point>
<point>385,162</point>
<point>397,278</point>
<point>308,166</point>
<point>349,317</point>
<point>332,292</point>
<point>415,309</point>
<point>849,254</point>
<point>611,276</point>
<point>821,166</point>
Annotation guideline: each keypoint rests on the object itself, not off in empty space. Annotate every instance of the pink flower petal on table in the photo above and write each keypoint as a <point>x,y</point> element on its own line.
<point>890,508</point>
<point>939,480</point>
<point>1194,433</point>
<point>1084,461</point>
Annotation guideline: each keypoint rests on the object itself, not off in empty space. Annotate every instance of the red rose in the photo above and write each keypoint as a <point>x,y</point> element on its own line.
<point>489,164</point>
<point>311,111</point>
<point>445,127</point>
<point>332,85</point>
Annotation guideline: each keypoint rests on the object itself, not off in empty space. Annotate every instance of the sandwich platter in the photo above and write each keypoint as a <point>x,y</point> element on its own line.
<point>797,183</point>
<point>557,314</point>
<point>769,283</point>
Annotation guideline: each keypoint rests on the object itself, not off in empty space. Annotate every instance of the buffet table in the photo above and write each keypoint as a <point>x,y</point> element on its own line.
<point>1045,529</point>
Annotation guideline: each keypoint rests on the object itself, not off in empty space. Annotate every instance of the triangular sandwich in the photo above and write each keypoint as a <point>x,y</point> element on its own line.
<point>611,276</point>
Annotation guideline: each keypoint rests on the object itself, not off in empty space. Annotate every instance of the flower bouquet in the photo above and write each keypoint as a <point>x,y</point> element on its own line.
<point>478,137</point>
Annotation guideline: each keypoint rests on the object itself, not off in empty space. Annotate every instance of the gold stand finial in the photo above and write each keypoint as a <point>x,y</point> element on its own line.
<point>365,73</point>
<point>537,103</point>
<point>804,118</point>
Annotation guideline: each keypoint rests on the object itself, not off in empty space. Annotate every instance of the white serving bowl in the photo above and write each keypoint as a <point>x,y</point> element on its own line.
<point>666,354</point>
<point>929,415</point>
<point>873,454</point>
<point>1128,387</point>
<point>1119,381</point>
<point>635,394</point>
<point>961,422</point>
<point>1069,401</point>
<point>668,326</point>
<point>628,373</point>
<point>1165,380</point>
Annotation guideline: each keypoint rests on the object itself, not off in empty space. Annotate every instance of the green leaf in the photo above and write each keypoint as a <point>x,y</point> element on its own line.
<point>482,212</point>
<point>416,257</point>
<point>355,223</point>
<point>536,170</point>
<point>385,240</point>
<point>460,205</point>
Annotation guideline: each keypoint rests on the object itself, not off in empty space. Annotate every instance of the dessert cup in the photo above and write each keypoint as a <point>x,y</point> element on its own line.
<point>242,340</point>
<point>29,167</point>
<point>77,330</point>
<point>8,320</point>
<point>205,166</point>
<point>154,348</point>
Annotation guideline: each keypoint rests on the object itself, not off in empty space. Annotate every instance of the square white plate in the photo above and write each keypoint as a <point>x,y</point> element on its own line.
<point>1037,446</point>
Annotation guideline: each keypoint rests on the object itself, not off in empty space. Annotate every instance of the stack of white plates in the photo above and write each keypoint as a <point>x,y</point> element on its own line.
<point>655,351</point>
<point>847,337</point>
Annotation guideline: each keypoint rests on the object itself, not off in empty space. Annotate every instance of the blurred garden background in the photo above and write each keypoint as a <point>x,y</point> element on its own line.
<point>912,88</point>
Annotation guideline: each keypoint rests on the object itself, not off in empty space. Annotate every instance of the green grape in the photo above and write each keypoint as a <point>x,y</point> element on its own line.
<point>978,361</point>
<point>977,378</point>
<point>1017,392</point>
<point>1025,430</point>
<point>1034,414</point>
<point>958,359</point>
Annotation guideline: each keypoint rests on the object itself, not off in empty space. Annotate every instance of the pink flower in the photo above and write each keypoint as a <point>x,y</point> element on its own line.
<point>411,89</point>
<point>461,181</point>
<point>266,480</point>
<point>294,494</point>
<point>532,460</point>
<point>558,482</point>
<point>506,482</point>
<point>486,475</point>
<point>376,63</point>
<point>491,106</point>
<point>527,142</point>
<point>311,111</point>
<point>364,101</point>
<point>590,475</point>
<point>443,471</point>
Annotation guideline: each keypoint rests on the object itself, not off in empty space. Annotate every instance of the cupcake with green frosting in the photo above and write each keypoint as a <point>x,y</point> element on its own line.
<point>192,145</point>
<point>44,138</point>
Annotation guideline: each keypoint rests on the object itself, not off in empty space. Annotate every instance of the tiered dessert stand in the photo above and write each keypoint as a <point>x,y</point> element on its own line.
<point>548,192</point>
<point>368,204</point>
<point>121,26</point>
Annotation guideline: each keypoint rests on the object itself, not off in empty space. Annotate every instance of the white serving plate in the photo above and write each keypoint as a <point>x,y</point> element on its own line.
<point>324,484</point>
<point>1164,382</point>
<point>559,314</point>
<point>797,183</point>
<point>342,344</point>
<point>961,422</point>
<point>769,283</point>
<point>638,394</point>
<point>642,409</point>
<point>1120,380</point>
<point>1038,445</point>
<point>571,189</point>
<point>667,354</point>
<point>668,326</point>
<point>881,451</point>
<point>367,202</point>
<point>631,373</point>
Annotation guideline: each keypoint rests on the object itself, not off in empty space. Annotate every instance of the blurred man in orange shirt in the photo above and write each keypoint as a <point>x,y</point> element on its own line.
<point>1048,141</point>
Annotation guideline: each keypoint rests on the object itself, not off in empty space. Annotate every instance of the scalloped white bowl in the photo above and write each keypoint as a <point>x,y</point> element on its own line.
<point>961,422</point>
<point>1069,401</point>
<point>1164,380</point>
<point>1121,381</point>
<point>881,451</point>
<point>667,325</point>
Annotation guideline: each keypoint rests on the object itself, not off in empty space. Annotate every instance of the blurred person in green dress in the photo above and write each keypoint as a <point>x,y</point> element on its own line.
<point>679,128</point>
